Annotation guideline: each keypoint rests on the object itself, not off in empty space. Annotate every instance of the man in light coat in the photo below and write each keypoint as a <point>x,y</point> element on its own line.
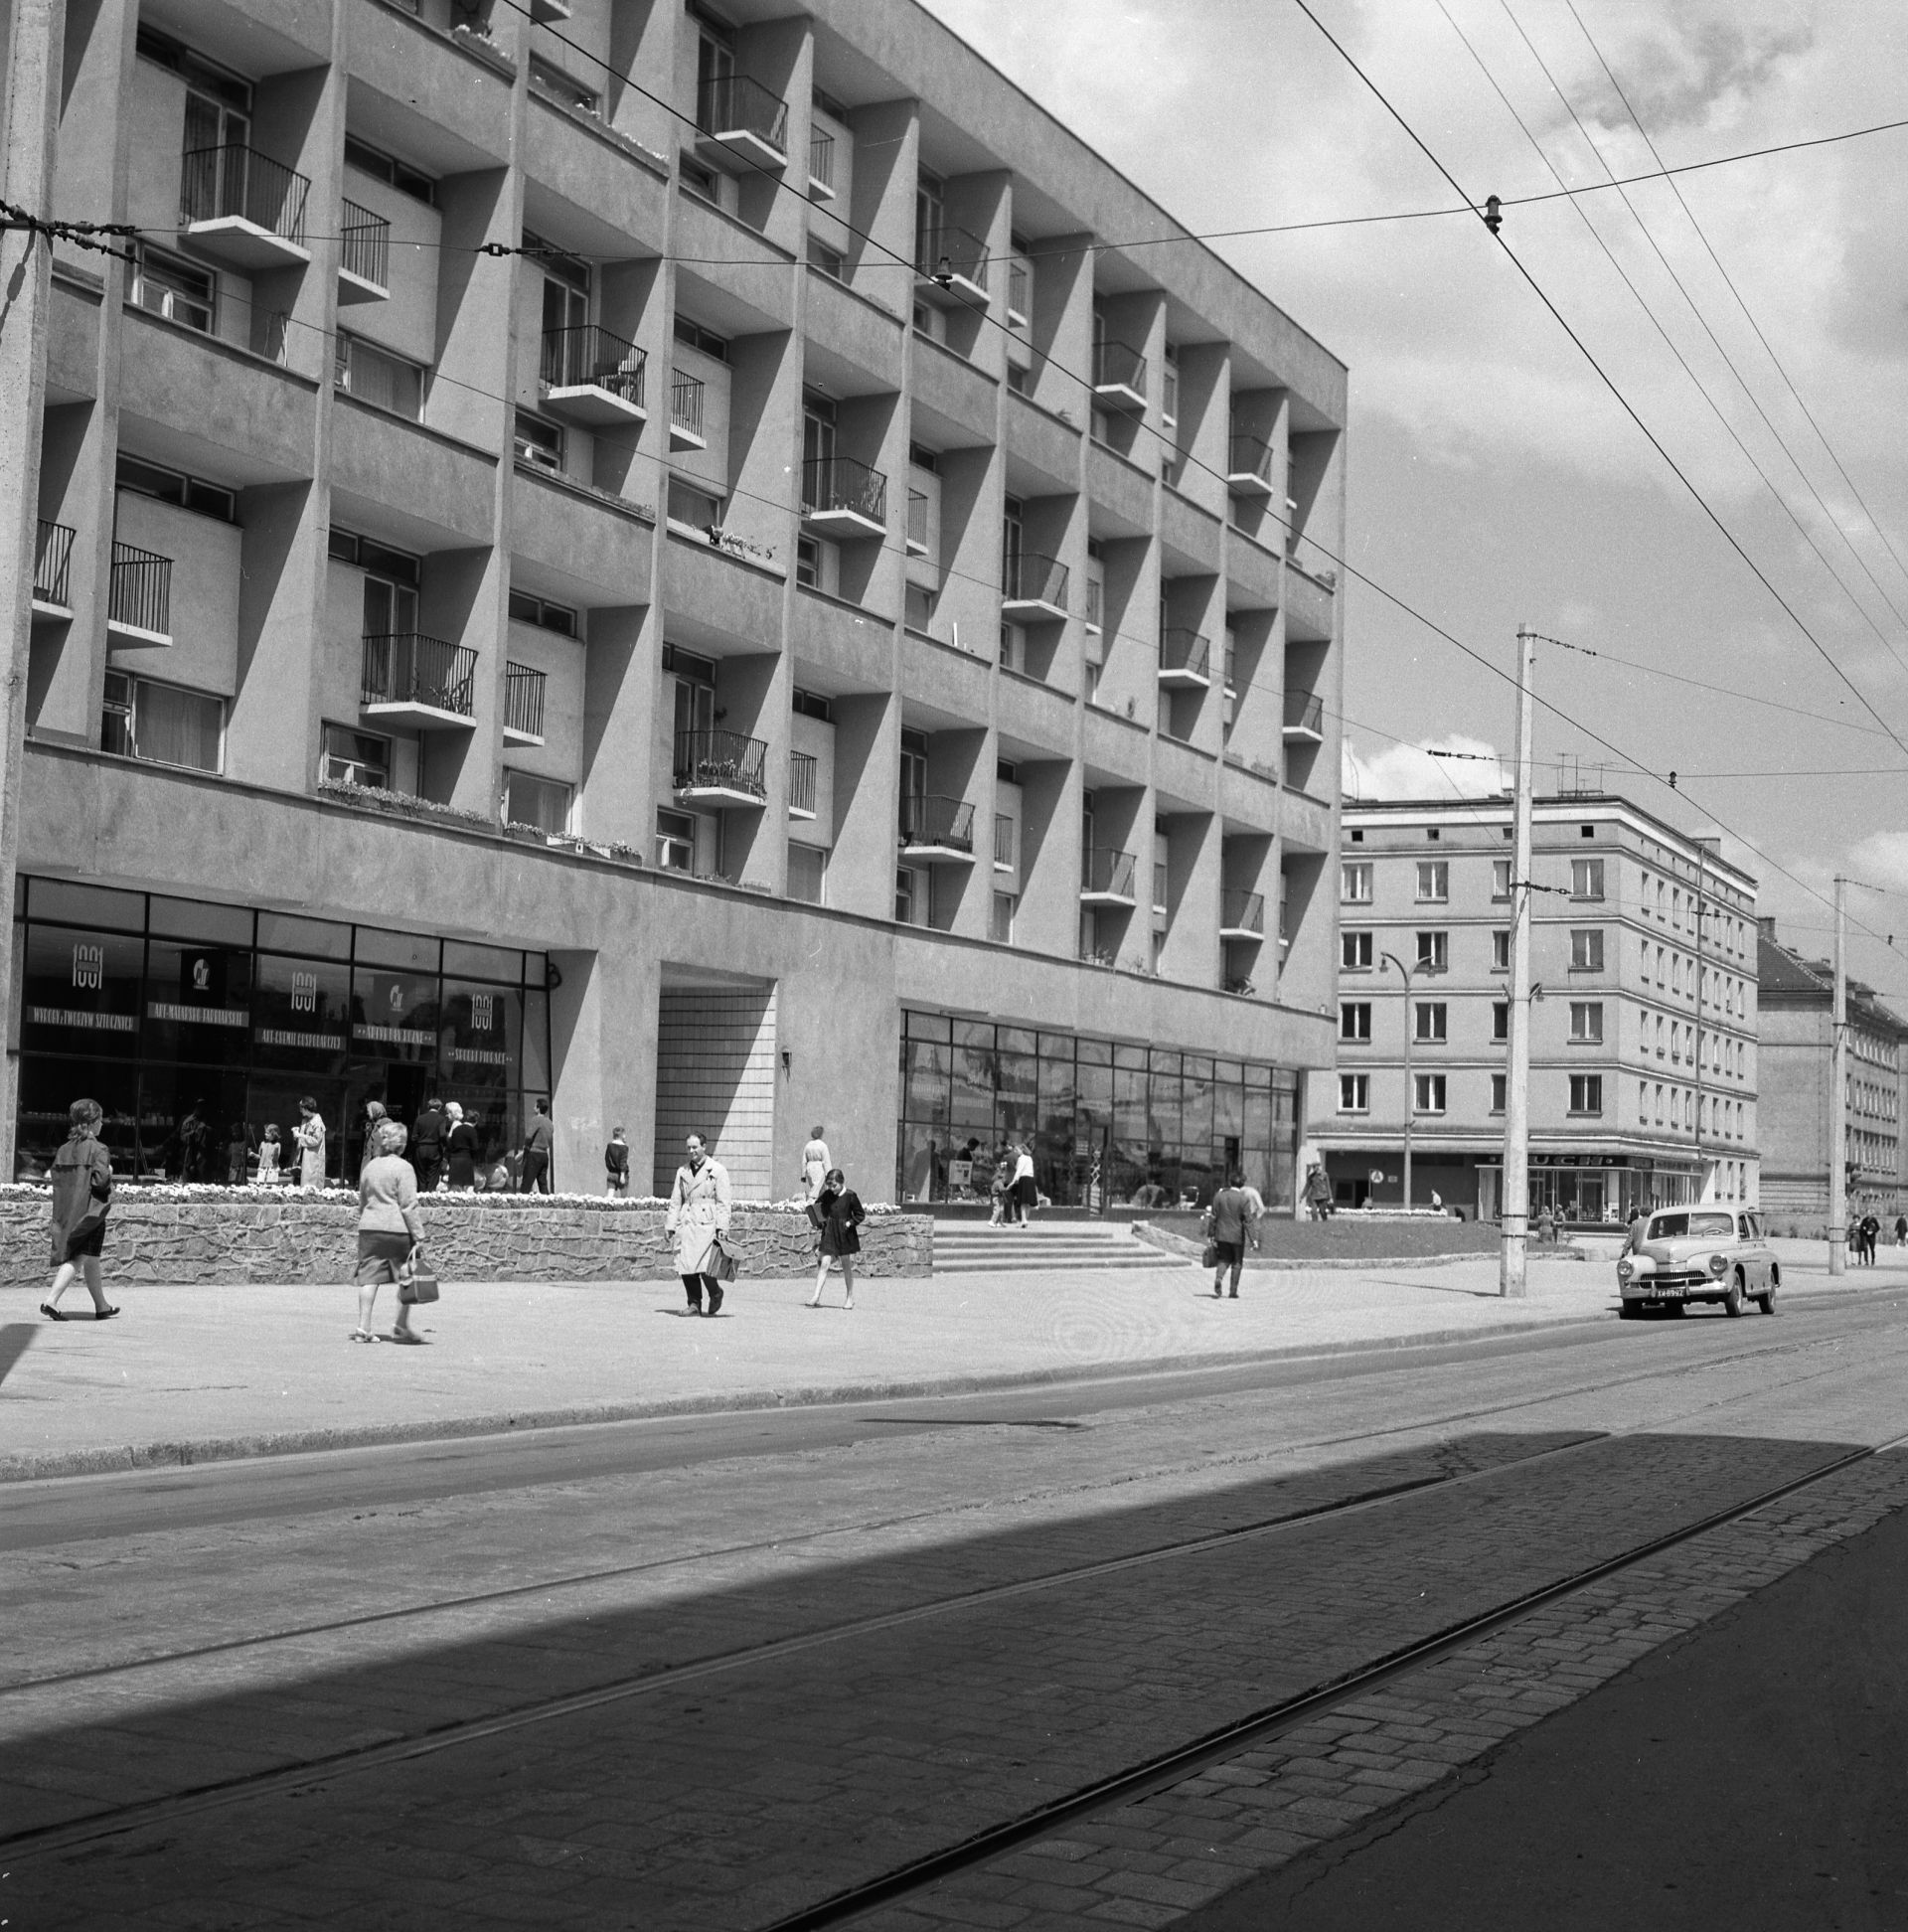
<point>697,1217</point>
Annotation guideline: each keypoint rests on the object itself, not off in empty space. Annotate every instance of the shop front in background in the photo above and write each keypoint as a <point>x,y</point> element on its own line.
<point>195,1024</point>
<point>1110,1125</point>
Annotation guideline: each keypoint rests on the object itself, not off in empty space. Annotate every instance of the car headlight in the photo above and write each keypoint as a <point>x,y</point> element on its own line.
<point>1623,1269</point>
<point>1718,1265</point>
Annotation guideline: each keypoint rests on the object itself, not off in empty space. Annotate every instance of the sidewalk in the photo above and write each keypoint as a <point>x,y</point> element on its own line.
<point>195,1374</point>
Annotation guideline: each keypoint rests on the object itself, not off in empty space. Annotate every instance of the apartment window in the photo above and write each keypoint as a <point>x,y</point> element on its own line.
<point>918,611</point>
<point>694,336</point>
<point>1499,951</point>
<point>1427,1094</point>
<point>695,508</point>
<point>375,377</point>
<point>1658,1035</point>
<point>163,284</point>
<point>171,486</point>
<point>908,898</point>
<point>387,167</point>
<point>1356,951</point>
<point>1018,379</point>
<point>525,608</point>
<point>1004,842</point>
<point>554,82</point>
<point>1433,833</point>
<point>699,180</point>
<point>162,724</point>
<point>811,703</point>
<point>1586,1093</point>
<point>1434,879</point>
<point>1586,879</point>
<point>1499,1021</point>
<point>1661,976</point>
<point>1001,931</point>
<point>1170,385</point>
<point>1430,1024</point>
<point>675,841</point>
<point>1586,950</point>
<point>1354,882</point>
<point>807,873</point>
<point>1497,1093</point>
<point>1355,1093</point>
<point>1675,1043</point>
<point>542,802</point>
<point>1659,1103</point>
<point>1499,878</point>
<point>380,559</point>
<point>1676,974</point>
<point>1586,1021</point>
<point>1433,951</point>
<point>354,757</point>
<point>537,441</point>
<point>1354,1021</point>
<point>829,262</point>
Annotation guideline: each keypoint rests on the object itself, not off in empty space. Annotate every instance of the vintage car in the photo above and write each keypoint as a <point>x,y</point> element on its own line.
<point>1699,1254</point>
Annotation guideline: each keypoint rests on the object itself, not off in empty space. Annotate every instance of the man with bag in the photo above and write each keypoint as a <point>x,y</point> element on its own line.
<point>1227,1222</point>
<point>698,1216</point>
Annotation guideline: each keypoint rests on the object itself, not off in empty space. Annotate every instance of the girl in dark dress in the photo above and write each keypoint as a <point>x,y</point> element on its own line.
<point>82,1179</point>
<point>462,1148</point>
<point>835,1213</point>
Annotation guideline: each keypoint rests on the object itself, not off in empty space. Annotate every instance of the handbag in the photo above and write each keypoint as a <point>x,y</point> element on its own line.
<point>415,1280</point>
<point>724,1268</point>
<point>1210,1255</point>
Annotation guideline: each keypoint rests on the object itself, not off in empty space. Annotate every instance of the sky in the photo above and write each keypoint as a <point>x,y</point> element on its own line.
<point>1494,476</point>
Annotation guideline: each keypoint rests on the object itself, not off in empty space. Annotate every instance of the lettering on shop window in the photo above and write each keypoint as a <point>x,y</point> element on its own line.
<point>201,976</point>
<point>304,992</point>
<point>481,1012</point>
<point>88,967</point>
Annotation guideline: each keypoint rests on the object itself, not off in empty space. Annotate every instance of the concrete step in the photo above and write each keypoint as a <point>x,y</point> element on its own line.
<point>975,1249</point>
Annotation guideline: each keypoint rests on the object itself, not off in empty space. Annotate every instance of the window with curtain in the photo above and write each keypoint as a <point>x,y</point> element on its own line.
<point>162,724</point>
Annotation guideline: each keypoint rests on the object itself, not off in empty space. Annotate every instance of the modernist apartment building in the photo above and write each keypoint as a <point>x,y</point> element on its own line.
<point>1798,1073</point>
<point>1643,1030</point>
<point>715,562</point>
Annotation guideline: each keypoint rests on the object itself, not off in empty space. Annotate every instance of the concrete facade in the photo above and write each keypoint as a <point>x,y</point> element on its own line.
<point>734,445</point>
<point>1642,1043</point>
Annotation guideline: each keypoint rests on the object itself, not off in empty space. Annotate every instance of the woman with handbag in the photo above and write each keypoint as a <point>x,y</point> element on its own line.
<point>698,1216</point>
<point>835,1213</point>
<point>389,1230</point>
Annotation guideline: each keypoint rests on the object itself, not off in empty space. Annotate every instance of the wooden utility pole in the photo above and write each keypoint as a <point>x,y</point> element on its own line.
<point>1516,1086</point>
<point>1839,1095</point>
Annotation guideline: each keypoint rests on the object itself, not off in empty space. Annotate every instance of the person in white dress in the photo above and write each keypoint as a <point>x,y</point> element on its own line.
<point>816,1162</point>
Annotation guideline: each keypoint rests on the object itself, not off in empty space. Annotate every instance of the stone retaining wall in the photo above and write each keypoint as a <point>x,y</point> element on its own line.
<point>248,1237</point>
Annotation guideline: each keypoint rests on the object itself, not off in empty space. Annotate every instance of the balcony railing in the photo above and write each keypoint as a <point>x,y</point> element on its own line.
<point>366,246</point>
<point>1185,654</point>
<point>949,253</point>
<point>1304,711</point>
<point>685,405</point>
<point>592,356</point>
<point>801,783</point>
<point>52,564</point>
<point>1242,912</point>
<point>141,594</point>
<point>841,485</point>
<point>1030,579</point>
<point>408,668</point>
<point>523,701</point>
<point>821,159</point>
<point>736,104</point>
<point>1118,365</point>
<point>723,761</point>
<point>1249,459</point>
<point>943,822</point>
<point>1107,875</point>
<point>223,183</point>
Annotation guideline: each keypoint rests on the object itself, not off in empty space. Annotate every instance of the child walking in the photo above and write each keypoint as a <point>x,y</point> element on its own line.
<point>82,1192</point>
<point>835,1213</point>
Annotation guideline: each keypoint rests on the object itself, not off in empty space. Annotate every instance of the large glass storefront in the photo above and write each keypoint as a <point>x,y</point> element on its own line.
<point>177,1016</point>
<point>1110,1125</point>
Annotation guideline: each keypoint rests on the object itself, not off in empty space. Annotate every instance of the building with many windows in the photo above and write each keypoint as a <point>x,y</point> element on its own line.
<point>700,559</point>
<point>1642,1032</point>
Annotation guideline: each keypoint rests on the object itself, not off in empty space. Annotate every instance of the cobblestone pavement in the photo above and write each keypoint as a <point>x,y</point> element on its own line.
<point>731,1799</point>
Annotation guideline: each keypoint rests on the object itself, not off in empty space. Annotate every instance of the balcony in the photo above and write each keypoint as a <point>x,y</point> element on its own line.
<point>720,768</point>
<point>1304,718</point>
<point>417,679</point>
<point>244,209</point>
<point>364,256</point>
<point>842,498</point>
<point>1119,375</point>
<point>139,607</point>
<point>950,268</point>
<point>741,126</point>
<point>1034,589</point>
<point>1106,877</point>
<point>52,571</point>
<point>686,413</point>
<point>1241,914</point>
<point>917,523</point>
<point>937,830</point>
<point>594,377</point>
<point>523,705</point>
<point>821,164</point>
<point>1186,661</point>
<point>1249,466</point>
<point>801,785</point>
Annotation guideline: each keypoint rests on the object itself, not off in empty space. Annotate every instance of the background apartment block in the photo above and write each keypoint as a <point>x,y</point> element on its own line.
<point>1797,1070</point>
<point>1643,1028</point>
<point>701,561</point>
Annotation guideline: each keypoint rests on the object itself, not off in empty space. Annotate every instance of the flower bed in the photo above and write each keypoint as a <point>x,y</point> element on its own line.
<point>218,1235</point>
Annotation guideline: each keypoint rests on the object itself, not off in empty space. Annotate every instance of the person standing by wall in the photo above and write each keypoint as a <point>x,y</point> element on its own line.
<point>309,1134</point>
<point>374,1114</point>
<point>270,1155</point>
<point>1027,1190</point>
<point>835,1213</point>
<point>1227,1222</point>
<point>237,1153</point>
<point>816,1162</point>
<point>81,1179</point>
<point>389,1228</point>
<point>462,1148</point>
<point>427,1146</point>
<point>697,1214</point>
<point>538,1137</point>
<point>616,1165</point>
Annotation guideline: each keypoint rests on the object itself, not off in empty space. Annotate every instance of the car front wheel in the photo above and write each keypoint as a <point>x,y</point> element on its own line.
<point>1766,1301</point>
<point>1732,1295</point>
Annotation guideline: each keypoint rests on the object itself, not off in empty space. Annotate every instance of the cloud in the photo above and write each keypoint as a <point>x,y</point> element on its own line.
<point>1410,772</point>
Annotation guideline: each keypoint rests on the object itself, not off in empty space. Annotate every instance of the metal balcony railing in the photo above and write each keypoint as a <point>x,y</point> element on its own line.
<point>918,518</point>
<point>1106,872</point>
<point>842,483</point>
<point>1186,651</point>
<point>51,562</point>
<point>592,356</point>
<point>685,404</point>
<point>1027,578</point>
<point>1304,712</point>
<point>949,250</point>
<point>216,183</point>
<point>801,782</point>
<point>721,761</point>
<point>1250,457</point>
<point>931,821</point>
<point>1117,365</point>
<point>736,104</point>
<point>141,594</point>
<point>1242,912</point>
<point>523,699</point>
<point>366,246</point>
<point>408,668</point>
<point>821,157</point>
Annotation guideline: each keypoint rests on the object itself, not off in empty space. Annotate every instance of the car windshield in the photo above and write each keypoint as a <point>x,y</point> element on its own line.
<point>1675,1227</point>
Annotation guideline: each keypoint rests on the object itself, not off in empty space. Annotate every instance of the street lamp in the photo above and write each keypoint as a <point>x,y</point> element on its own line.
<point>1410,1097</point>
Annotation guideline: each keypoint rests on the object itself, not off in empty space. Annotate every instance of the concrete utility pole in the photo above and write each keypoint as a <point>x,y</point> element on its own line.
<point>1410,1100</point>
<point>1837,1095</point>
<point>34,55</point>
<point>1516,1086</point>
